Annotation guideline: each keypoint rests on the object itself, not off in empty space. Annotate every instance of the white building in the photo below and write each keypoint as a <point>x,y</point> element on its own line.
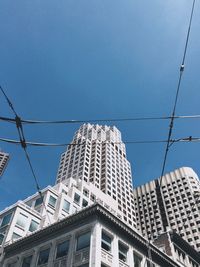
<point>176,203</point>
<point>4,157</point>
<point>98,155</point>
<point>94,237</point>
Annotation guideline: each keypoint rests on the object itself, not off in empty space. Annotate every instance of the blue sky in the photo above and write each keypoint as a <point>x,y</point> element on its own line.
<point>84,59</point>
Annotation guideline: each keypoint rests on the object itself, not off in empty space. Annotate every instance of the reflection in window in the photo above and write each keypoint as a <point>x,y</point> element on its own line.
<point>66,205</point>
<point>83,241</point>
<point>21,220</point>
<point>27,261</point>
<point>39,201</point>
<point>15,236</point>
<point>106,242</point>
<point>137,260</point>
<point>76,198</point>
<point>33,226</point>
<point>43,256</point>
<point>6,219</point>
<point>52,201</point>
<point>62,249</point>
<point>122,252</point>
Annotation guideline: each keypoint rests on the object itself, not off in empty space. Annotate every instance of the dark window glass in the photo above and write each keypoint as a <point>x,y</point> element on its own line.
<point>43,256</point>
<point>62,249</point>
<point>52,201</point>
<point>137,260</point>
<point>27,261</point>
<point>38,201</point>
<point>83,241</point>
<point>106,242</point>
<point>122,252</point>
<point>33,226</point>
<point>6,219</point>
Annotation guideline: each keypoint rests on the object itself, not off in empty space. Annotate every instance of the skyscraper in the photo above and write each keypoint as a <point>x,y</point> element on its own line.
<point>177,203</point>
<point>98,155</point>
<point>4,157</point>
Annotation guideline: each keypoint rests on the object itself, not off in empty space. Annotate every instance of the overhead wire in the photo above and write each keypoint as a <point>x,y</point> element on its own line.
<point>24,146</point>
<point>171,125</point>
<point>23,121</point>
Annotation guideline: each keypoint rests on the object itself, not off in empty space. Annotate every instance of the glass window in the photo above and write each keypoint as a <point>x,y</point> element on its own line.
<point>33,226</point>
<point>122,252</point>
<point>6,219</point>
<point>150,264</point>
<point>52,201</point>
<point>84,203</point>
<point>43,256</point>
<point>21,220</point>
<point>15,236</point>
<point>66,205</point>
<point>62,249</point>
<point>1,238</point>
<point>83,241</point>
<point>13,264</point>
<point>76,198</point>
<point>27,261</point>
<point>106,241</point>
<point>137,260</point>
<point>39,201</point>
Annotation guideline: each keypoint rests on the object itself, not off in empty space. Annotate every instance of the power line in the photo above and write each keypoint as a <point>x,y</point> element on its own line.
<point>23,144</point>
<point>177,95</point>
<point>187,139</point>
<point>12,120</point>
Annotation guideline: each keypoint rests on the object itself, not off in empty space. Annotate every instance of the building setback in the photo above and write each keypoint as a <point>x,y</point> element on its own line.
<point>177,202</point>
<point>98,155</point>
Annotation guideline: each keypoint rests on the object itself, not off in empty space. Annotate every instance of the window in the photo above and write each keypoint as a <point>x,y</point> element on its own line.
<point>122,252</point>
<point>15,236</point>
<point>66,205</point>
<point>84,203</point>
<point>13,264</point>
<point>6,219</point>
<point>33,226</point>
<point>52,201</point>
<point>83,241</point>
<point>21,220</point>
<point>1,238</point>
<point>27,261</point>
<point>62,249</point>
<point>38,201</point>
<point>106,241</point>
<point>137,260</point>
<point>76,198</point>
<point>150,264</point>
<point>43,256</point>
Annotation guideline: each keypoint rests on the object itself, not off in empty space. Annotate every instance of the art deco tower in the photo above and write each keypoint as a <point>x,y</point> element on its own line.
<point>98,155</point>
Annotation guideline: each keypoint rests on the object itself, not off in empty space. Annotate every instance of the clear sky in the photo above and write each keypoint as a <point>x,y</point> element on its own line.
<point>86,59</point>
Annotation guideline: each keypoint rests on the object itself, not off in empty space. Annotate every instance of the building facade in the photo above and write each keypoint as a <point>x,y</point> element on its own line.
<point>179,192</point>
<point>4,158</point>
<point>92,237</point>
<point>98,155</point>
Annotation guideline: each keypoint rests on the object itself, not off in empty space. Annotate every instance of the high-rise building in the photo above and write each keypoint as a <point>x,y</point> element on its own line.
<point>176,203</point>
<point>4,157</point>
<point>98,155</point>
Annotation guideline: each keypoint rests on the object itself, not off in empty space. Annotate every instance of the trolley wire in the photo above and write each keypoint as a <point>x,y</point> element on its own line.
<point>23,144</point>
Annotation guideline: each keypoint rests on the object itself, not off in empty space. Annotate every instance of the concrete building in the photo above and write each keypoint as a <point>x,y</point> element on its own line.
<point>177,202</point>
<point>4,157</point>
<point>98,155</point>
<point>92,237</point>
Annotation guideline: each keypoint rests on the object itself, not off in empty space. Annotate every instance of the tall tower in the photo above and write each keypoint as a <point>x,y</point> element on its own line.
<point>180,191</point>
<point>4,157</point>
<point>98,155</point>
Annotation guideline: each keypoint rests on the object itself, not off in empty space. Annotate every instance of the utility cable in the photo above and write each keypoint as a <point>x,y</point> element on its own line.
<point>187,139</point>
<point>12,120</point>
<point>177,95</point>
<point>24,146</point>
